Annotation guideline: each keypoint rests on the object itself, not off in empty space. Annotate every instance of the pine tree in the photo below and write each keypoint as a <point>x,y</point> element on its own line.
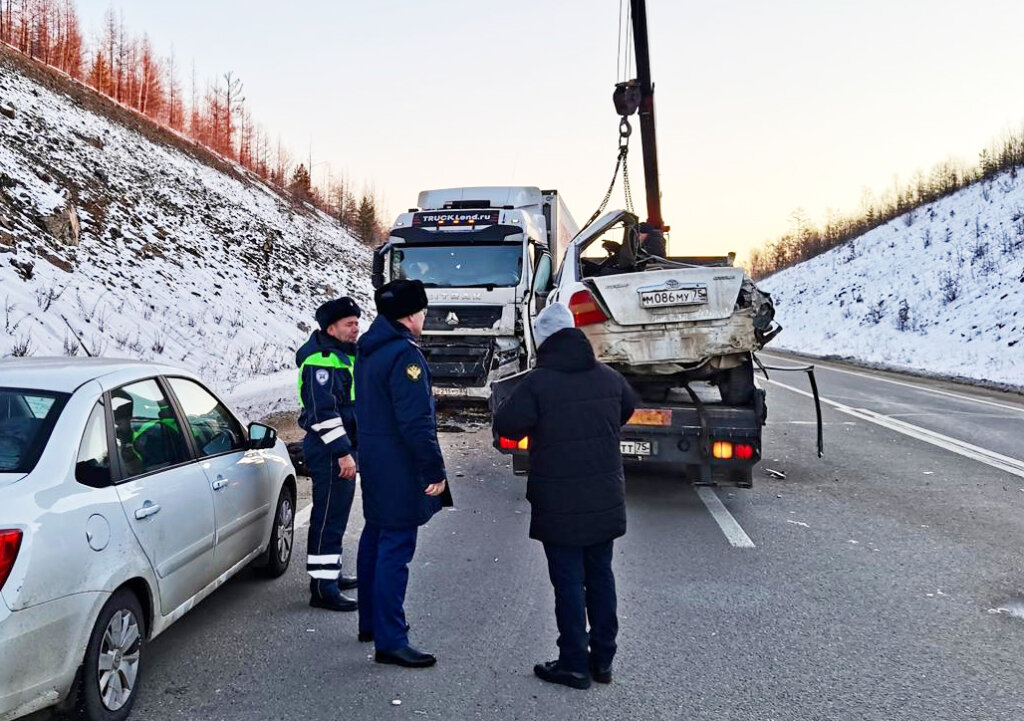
<point>366,221</point>
<point>300,185</point>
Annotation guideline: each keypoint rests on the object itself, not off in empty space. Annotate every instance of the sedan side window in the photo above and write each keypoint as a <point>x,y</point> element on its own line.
<point>213,427</point>
<point>93,466</point>
<point>146,429</point>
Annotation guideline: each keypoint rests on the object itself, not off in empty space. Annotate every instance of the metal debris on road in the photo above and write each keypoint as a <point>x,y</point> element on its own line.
<point>397,702</point>
<point>797,523</point>
<point>774,474</point>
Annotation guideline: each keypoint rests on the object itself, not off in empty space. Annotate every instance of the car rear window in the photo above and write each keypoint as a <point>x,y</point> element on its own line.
<point>27,418</point>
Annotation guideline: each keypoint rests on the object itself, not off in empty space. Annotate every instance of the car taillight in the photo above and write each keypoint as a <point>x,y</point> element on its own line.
<point>10,544</point>
<point>507,444</point>
<point>585,310</point>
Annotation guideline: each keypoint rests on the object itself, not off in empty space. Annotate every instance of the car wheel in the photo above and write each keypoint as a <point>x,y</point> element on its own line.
<point>112,668</point>
<point>279,552</point>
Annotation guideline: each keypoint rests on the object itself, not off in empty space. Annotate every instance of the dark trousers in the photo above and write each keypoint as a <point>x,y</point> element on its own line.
<point>383,566</point>
<point>584,588</point>
<point>332,502</point>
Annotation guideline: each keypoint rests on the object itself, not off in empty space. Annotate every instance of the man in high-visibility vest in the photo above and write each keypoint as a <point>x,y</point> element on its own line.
<point>327,399</point>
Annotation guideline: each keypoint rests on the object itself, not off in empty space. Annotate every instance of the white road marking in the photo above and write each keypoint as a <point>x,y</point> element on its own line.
<point>734,533</point>
<point>302,517</point>
<point>915,386</point>
<point>968,450</point>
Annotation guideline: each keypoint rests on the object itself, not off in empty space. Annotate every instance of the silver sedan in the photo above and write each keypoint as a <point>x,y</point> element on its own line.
<point>128,493</point>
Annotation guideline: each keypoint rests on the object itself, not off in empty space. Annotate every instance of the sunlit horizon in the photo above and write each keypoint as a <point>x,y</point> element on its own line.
<point>761,110</point>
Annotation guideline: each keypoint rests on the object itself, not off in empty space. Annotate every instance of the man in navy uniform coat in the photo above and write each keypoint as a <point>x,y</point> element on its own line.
<point>403,477</point>
<point>572,408</point>
<point>327,399</point>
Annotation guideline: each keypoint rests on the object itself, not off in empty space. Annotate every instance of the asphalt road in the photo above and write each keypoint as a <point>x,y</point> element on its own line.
<point>885,581</point>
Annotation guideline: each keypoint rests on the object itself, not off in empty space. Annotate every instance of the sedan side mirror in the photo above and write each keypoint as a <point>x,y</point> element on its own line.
<point>261,437</point>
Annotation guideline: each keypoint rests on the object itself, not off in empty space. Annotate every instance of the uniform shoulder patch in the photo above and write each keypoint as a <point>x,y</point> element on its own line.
<point>322,376</point>
<point>413,372</point>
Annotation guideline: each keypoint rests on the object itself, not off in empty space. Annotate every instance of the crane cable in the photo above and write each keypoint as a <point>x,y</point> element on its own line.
<point>622,71</point>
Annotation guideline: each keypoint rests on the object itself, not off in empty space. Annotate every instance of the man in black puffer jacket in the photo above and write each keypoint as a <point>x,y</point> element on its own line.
<point>572,409</point>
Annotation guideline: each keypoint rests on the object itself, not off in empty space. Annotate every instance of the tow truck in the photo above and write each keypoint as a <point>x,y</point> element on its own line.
<point>682,330</point>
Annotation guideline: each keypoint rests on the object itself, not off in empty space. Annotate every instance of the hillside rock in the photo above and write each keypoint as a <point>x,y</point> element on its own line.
<point>63,224</point>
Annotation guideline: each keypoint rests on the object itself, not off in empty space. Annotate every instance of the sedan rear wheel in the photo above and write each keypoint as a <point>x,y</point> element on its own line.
<point>113,659</point>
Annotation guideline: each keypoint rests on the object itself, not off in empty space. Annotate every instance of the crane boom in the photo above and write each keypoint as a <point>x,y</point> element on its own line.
<point>646,110</point>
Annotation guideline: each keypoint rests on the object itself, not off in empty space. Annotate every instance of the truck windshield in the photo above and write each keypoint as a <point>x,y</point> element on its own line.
<point>26,419</point>
<point>459,266</point>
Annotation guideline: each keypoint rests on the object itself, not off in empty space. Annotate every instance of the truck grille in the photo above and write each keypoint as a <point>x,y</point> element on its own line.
<point>440,317</point>
<point>458,360</point>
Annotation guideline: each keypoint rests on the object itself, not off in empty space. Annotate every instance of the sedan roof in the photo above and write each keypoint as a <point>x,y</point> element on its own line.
<point>64,375</point>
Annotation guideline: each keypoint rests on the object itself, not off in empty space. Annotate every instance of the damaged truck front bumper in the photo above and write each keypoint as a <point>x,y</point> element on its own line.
<point>464,366</point>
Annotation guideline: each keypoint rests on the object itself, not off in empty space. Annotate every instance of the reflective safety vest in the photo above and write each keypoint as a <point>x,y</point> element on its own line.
<point>331,361</point>
<point>169,422</point>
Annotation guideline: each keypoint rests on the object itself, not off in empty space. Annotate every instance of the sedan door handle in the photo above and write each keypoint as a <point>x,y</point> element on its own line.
<point>148,509</point>
<point>220,484</point>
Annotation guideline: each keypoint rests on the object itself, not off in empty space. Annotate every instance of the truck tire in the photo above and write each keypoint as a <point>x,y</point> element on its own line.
<point>742,477</point>
<point>737,384</point>
<point>520,465</point>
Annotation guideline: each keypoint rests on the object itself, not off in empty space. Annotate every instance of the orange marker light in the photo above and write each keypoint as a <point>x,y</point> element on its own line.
<point>651,417</point>
<point>722,450</point>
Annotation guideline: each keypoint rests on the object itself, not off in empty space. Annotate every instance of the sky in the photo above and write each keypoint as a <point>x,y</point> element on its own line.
<point>762,108</point>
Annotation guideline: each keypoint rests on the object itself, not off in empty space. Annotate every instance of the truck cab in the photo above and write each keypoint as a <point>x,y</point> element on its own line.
<point>487,257</point>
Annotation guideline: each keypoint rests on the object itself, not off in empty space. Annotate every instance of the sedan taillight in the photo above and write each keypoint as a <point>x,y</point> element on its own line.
<point>585,310</point>
<point>10,544</point>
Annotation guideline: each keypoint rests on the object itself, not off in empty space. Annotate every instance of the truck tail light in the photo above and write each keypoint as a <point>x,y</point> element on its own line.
<point>507,444</point>
<point>743,452</point>
<point>10,544</point>
<point>722,450</point>
<point>585,310</point>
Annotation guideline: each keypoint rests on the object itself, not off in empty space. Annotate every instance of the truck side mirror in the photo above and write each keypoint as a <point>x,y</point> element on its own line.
<point>377,274</point>
<point>542,276</point>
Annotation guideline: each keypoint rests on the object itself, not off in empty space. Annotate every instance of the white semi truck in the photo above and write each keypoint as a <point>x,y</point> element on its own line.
<point>487,256</point>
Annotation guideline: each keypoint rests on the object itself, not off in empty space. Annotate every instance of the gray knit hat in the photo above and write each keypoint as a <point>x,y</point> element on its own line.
<point>551,320</point>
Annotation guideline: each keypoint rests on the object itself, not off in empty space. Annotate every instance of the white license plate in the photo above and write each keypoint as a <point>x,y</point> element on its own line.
<point>670,297</point>
<point>635,448</point>
<point>450,392</point>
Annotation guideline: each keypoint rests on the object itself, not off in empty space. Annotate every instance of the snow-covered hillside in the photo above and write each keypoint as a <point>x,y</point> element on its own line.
<point>939,290</point>
<point>175,260</point>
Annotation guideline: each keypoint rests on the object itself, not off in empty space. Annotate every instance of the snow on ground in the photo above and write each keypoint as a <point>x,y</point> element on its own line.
<point>177,261</point>
<point>939,290</point>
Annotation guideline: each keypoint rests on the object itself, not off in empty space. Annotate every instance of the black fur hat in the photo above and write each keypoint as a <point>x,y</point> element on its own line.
<point>334,310</point>
<point>400,298</point>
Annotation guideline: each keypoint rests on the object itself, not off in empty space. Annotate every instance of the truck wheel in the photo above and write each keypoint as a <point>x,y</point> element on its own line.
<point>742,477</point>
<point>113,660</point>
<point>520,465</point>
<point>737,384</point>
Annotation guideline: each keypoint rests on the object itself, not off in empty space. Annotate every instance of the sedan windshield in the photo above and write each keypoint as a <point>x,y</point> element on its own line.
<point>459,266</point>
<point>26,419</point>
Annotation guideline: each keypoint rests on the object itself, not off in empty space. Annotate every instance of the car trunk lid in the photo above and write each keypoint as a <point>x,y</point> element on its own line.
<point>671,295</point>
